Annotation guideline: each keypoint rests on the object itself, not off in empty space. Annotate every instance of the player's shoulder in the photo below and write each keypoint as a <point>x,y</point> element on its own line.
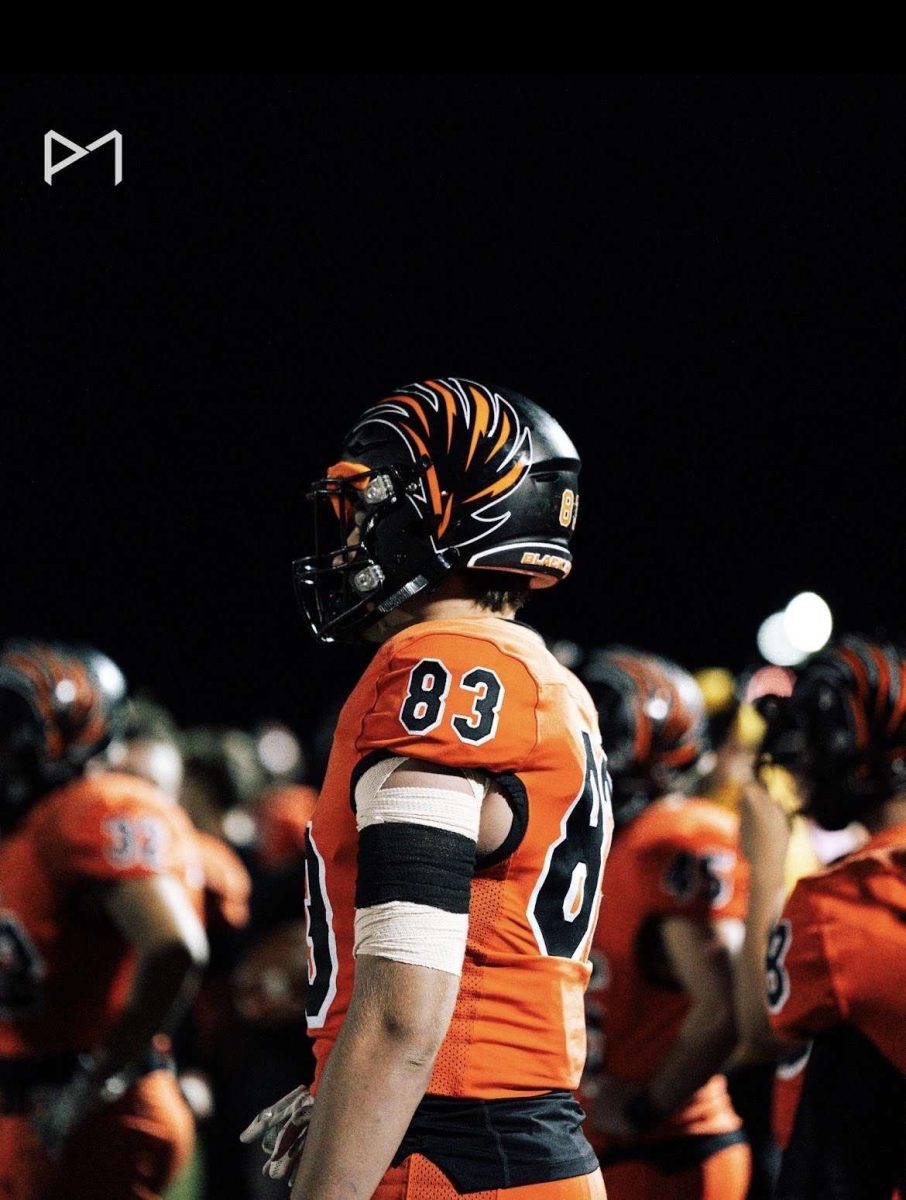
<point>856,877</point>
<point>488,655</point>
<point>684,822</point>
<point>815,898</point>
<point>469,642</point>
<point>89,812</point>
<point>283,815</point>
<point>466,692</point>
<point>113,791</point>
<point>113,826</point>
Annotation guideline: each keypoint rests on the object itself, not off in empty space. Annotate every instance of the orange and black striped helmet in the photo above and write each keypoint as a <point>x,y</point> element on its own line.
<point>58,707</point>
<point>653,724</point>
<point>443,475</point>
<point>843,728</point>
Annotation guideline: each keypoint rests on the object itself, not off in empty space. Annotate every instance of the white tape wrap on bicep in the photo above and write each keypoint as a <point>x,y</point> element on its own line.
<point>416,858</point>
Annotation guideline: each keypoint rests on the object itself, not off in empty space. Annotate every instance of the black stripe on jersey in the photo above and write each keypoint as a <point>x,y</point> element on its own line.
<point>362,766</point>
<point>514,793</point>
<point>418,864</point>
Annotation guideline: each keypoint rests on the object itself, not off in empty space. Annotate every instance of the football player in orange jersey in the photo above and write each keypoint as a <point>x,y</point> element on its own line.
<point>836,959</point>
<point>99,943</point>
<point>456,851</point>
<point>660,1004</point>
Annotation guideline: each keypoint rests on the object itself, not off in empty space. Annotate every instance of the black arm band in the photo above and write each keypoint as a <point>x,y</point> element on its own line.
<point>418,864</point>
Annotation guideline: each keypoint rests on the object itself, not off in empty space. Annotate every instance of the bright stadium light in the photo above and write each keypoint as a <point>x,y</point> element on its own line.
<point>807,622</point>
<point>775,645</point>
<point>111,677</point>
<point>278,750</point>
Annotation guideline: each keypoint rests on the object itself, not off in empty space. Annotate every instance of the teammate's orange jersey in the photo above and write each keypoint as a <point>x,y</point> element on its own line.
<point>838,954</point>
<point>481,694</point>
<point>679,857</point>
<point>64,969</point>
<point>283,815</point>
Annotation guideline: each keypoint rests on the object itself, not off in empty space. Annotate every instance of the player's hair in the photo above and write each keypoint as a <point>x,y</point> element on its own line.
<point>497,590</point>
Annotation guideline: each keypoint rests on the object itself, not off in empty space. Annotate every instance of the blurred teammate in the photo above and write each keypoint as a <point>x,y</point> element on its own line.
<point>455,855</point>
<point>99,944</point>
<point>836,959</point>
<point>735,730</point>
<point>149,746</point>
<point>660,1003</point>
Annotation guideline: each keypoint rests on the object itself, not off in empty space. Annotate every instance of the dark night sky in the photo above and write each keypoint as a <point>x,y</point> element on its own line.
<point>700,275</point>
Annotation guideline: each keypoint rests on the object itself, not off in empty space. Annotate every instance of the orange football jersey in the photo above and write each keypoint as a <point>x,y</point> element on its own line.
<point>64,969</point>
<point>283,816</point>
<point>679,857</point>
<point>838,954</point>
<point>481,694</point>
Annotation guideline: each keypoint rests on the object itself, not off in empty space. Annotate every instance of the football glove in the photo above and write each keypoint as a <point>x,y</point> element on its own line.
<point>282,1128</point>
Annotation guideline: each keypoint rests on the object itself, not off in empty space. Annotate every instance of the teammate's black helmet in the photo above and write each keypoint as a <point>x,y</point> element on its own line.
<point>843,728</point>
<point>59,706</point>
<point>443,475</point>
<point>653,724</point>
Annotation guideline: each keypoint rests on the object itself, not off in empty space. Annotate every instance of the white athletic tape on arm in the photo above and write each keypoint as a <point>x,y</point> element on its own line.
<point>377,801</point>
<point>419,934</point>
<point>413,933</point>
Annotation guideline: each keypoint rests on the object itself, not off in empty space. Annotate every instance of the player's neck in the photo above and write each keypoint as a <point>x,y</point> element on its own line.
<point>452,601</point>
<point>446,604</point>
<point>456,608</point>
<point>887,815</point>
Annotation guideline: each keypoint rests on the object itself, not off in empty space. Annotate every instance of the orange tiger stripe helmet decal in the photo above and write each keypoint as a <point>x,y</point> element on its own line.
<point>72,705</point>
<point>849,705</point>
<point>653,723</point>
<point>475,448</point>
<point>443,475</point>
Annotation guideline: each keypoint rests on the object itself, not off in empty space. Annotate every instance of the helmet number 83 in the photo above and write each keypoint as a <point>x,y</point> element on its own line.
<point>569,508</point>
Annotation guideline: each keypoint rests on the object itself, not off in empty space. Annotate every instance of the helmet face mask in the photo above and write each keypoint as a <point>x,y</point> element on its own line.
<point>442,475</point>
<point>362,521</point>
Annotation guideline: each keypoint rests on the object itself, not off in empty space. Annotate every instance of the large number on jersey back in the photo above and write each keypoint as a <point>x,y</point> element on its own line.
<point>21,969</point>
<point>777,976</point>
<point>135,842</point>
<point>707,876</point>
<point>322,946</point>
<point>564,903</point>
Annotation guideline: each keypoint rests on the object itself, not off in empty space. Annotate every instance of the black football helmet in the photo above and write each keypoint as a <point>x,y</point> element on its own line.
<point>59,706</point>
<point>653,725</point>
<point>440,476</point>
<point>843,728</point>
